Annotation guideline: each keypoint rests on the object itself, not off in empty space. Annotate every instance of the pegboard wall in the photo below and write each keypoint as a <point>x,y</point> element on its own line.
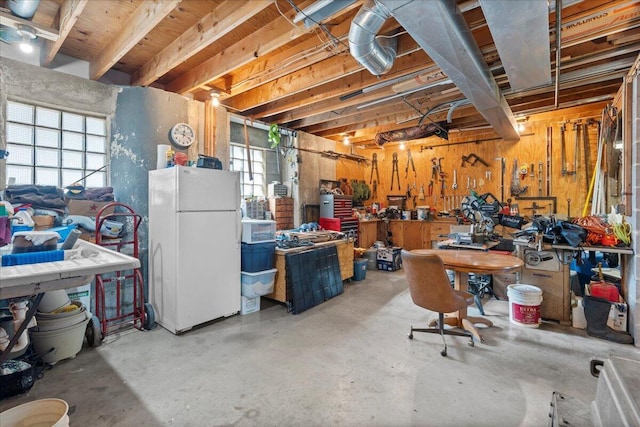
<point>476,157</point>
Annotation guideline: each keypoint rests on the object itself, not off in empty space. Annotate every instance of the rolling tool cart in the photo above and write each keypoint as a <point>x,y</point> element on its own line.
<point>118,231</point>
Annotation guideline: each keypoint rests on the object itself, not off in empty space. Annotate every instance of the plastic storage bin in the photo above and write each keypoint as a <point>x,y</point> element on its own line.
<point>360,269</point>
<point>257,256</point>
<point>258,231</point>
<point>257,284</point>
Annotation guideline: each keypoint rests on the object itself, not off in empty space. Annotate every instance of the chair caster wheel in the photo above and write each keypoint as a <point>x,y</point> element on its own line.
<point>482,339</point>
<point>410,335</point>
<point>443,353</point>
<point>471,343</point>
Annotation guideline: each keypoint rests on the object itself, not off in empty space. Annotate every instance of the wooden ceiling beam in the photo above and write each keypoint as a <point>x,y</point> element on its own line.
<point>211,28</point>
<point>272,36</point>
<point>272,67</point>
<point>293,89</point>
<point>69,12</point>
<point>145,18</point>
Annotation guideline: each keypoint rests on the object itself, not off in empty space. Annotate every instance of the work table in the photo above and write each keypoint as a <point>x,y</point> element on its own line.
<point>406,233</point>
<point>345,258</point>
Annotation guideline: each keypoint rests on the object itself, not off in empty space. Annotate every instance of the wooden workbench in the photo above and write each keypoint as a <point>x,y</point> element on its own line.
<point>345,257</point>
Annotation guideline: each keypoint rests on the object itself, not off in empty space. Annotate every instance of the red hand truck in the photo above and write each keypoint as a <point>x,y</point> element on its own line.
<point>125,283</point>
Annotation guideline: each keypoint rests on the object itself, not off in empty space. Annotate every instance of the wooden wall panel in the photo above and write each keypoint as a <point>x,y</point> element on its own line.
<point>531,149</point>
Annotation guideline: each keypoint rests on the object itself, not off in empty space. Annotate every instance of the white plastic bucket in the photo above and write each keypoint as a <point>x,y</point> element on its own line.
<point>43,412</point>
<point>524,305</point>
<point>65,342</point>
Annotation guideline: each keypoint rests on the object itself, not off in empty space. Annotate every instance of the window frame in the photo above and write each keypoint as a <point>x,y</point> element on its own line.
<point>34,146</point>
<point>244,173</point>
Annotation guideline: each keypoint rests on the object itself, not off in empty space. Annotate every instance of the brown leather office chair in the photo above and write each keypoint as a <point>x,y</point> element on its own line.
<point>430,289</point>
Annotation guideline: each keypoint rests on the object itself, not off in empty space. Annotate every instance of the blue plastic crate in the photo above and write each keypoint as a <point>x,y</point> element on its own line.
<point>256,257</point>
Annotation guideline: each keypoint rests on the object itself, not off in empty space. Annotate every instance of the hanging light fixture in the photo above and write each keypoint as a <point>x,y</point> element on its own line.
<point>28,35</point>
<point>215,99</point>
<point>346,140</point>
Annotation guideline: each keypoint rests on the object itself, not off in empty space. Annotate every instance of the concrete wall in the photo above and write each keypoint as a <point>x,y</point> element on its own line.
<point>305,170</point>
<point>25,82</point>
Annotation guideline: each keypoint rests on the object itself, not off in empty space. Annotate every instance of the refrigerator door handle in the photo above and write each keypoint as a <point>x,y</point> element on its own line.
<point>239,226</point>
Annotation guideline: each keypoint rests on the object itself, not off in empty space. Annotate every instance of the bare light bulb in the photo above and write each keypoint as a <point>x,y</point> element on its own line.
<point>345,141</point>
<point>520,127</point>
<point>215,99</point>
<point>402,145</point>
<point>26,47</point>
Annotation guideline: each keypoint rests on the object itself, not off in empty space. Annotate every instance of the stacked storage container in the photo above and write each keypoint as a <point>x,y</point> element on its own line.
<point>257,261</point>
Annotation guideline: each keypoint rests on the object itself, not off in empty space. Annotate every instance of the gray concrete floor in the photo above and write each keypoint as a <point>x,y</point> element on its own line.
<point>346,362</point>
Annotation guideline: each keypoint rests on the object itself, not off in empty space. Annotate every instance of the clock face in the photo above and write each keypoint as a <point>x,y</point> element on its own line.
<point>182,135</point>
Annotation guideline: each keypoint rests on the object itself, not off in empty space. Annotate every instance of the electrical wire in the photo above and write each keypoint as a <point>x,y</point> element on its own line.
<point>321,26</point>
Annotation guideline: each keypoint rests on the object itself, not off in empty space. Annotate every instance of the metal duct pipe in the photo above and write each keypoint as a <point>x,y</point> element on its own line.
<point>24,8</point>
<point>448,41</point>
<point>377,56</point>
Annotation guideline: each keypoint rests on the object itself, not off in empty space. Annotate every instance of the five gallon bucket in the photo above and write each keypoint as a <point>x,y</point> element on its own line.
<point>43,412</point>
<point>360,269</point>
<point>524,305</point>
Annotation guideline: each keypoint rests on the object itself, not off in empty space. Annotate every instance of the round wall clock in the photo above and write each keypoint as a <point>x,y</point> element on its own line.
<point>182,135</point>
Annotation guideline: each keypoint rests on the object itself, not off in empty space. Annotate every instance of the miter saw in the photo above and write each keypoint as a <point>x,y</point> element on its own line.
<point>482,210</point>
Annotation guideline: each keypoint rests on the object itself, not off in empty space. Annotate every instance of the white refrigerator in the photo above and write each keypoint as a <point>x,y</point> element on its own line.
<point>194,245</point>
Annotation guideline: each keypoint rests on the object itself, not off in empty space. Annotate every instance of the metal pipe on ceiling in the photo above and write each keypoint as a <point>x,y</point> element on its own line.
<point>23,8</point>
<point>558,49</point>
<point>448,41</point>
<point>526,24</point>
<point>375,55</point>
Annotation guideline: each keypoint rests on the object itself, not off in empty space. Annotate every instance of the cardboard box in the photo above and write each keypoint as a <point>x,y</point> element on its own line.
<point>43,222</point>
<point>249,305</point>
<point>500,283</point>
<point>86,207</point>
<point>390,265</point>
<point>618,316</point>
<point>388,254</point>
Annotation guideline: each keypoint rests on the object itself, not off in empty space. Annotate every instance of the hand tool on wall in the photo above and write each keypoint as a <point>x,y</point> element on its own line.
<point>502,173</point>
<point>374,192</point>
<point>574,172</point>
<point>563,151</point>
<point>585,147</point>
<point>524,170</point>
<point>532,171</point>
<point>421,193</point>
<point>539,178</point>
<point>472,159</point>
<point>431,190</point>
<point>435,168</point>
<point>516,190</point>
<point>454,185</point>
<point>374,166</point>
<point>549,148</point>
<point>394,170</point>
<point>468,183</point>
<point>568,208</point>
<point>409,160</point>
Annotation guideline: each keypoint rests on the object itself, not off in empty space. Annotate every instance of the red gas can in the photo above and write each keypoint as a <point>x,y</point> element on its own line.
<point>605,290</point>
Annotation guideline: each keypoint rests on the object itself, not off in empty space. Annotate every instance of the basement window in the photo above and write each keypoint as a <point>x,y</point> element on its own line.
<point>264,159</point>
<point>240,163</point>
<point>48,146</point>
